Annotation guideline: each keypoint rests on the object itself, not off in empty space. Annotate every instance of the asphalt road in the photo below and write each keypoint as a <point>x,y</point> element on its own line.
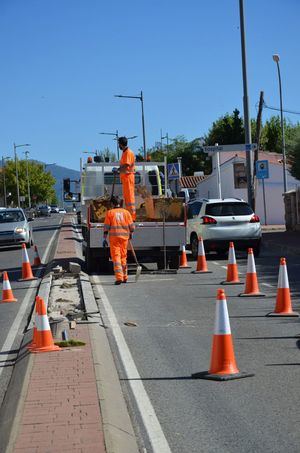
<point>174,317</point>
<point>13,316</point>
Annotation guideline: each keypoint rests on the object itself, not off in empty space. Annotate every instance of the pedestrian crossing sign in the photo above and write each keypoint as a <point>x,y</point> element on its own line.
<point>173,171</point>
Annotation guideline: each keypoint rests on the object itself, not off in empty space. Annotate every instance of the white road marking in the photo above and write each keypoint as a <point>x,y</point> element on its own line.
<point>14,329</point>
<point>215,262</point>
<point>224,267</point>
<point>268,285</point>
<point>155,433</point>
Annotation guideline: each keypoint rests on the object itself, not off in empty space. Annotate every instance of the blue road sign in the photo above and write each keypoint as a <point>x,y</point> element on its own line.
<point>262,169</point>
<point>173,171</point>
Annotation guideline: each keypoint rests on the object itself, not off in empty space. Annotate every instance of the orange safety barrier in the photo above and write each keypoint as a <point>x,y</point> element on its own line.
<point>201,259</point>
<point>7,294</point>
<point>44,339</point>
<point>183,259</point>
<point>232,277</point>
<point>26,266</point>
<point>283,305</point>
<point>251,287</point>
<point>223,365</point>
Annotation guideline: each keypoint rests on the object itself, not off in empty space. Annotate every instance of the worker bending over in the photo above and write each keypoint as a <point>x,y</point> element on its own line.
<point>126,171</point>
<point>119,225</point>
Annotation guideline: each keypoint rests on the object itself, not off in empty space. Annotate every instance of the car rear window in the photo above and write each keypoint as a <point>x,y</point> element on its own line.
<point>227,209</point>
<point>11,216</point>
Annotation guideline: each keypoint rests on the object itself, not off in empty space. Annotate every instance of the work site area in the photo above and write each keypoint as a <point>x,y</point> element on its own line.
<point>149,226</point>
<point>197,352</point>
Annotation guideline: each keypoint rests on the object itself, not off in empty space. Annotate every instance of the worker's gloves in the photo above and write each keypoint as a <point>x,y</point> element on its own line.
<point>105,243</point>
<point>115,170</point>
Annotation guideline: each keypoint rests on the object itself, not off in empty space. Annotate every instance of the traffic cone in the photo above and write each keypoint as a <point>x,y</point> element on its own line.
<point>33,344</point>
<point>7,294</point>
<point>44,340</point>
<point>183,259</point>
<point>223,365</point>
<point>232,268</point>
<point>201,259</point>
<point>26,267</point>
<point>37,259</point>
<point>283,305</point>
<point>251,287</point>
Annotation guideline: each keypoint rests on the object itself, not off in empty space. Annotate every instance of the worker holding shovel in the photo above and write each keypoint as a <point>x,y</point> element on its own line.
<point>126,171</point>
<point>118,224</point>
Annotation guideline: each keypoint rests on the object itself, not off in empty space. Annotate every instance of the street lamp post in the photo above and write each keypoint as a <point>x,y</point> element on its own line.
<point>17,174</point>
<point>143,118</point>
<point>246,109</point>
<point>276,59</point>
<point>28,182</point>
<point>116,135</point>
<point>4,180</point>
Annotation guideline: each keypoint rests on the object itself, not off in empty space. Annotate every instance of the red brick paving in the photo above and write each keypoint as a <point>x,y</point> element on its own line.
<point>61,411</point>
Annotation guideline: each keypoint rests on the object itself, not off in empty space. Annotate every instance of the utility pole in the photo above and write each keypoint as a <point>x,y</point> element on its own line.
<point>256,151</point>
<point>28,182</point>
<point>247,123</point>
<point>4,181</point>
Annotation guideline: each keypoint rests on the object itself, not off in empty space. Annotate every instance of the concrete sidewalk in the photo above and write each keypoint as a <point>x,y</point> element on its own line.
<point>60,408</point>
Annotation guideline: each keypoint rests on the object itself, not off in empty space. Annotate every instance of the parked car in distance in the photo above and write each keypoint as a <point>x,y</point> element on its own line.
<point>44,211</point>
<point>62,211</point>
<point>54,208</point>
<point>219,221</point>
<point>14,228</point>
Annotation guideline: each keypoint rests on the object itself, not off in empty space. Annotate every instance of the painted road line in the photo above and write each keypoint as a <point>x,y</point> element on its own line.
<point>152,426</point>
<point>268,285</point>
<point>29,297</point>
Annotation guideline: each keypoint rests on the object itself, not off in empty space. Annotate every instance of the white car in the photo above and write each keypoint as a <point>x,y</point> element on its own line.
<point>62,211</point>
<point>219,221</point>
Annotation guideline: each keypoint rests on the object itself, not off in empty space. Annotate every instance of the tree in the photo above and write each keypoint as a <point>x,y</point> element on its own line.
<point>41,182</point>
<point>272,137</point>
<point>293,154</point>
<point>227,130</point>
<point>192,157</point>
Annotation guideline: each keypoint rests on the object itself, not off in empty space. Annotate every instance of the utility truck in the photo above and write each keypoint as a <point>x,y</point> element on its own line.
<point>160,223</point>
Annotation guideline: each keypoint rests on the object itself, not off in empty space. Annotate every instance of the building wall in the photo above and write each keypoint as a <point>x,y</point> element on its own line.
<point>273,191</point>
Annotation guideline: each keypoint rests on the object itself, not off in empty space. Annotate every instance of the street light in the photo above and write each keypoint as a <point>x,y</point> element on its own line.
<point>27,175</point>
<point>17,175</point>
<point>4,179</point>
<point>143,119</point>
<point>276,59</point>
<point>116,135</point>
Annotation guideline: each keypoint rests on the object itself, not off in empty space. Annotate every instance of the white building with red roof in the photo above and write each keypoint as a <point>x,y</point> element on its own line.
<point>234,184</point>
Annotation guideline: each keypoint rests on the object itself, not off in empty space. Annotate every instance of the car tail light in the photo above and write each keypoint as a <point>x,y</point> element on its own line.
<point>254,219</point>
<point>208,220</point>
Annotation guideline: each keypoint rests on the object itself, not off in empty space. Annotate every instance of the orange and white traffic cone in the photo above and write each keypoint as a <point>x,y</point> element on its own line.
<point>33,344</point>
<point>37,259</point>
<point>201,259</point>
<point>232,268</point>
<point>7,294</point>
<point>183,259</point>
<point>251,287</point>
<point>26,266</point>
<point>283,305</point>
<point>44,340</point>
<point>223,365</point>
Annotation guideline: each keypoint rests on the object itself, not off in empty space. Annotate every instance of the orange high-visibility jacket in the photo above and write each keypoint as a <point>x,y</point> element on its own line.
<point>128,158</point>
<point>118,223</point>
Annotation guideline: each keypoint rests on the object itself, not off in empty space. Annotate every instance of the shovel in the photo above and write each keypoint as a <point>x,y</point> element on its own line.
<point>138,267</point>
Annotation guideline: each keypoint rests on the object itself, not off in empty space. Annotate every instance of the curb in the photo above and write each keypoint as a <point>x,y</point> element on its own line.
<point>118,431</point>
<point>11,409</point>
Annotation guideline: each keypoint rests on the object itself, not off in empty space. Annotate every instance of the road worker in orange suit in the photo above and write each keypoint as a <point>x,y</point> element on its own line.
<point>118,224</point>
<point>126,171</point>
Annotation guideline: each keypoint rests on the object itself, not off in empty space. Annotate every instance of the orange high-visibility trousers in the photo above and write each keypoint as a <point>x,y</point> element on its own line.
<point>118,253</point>
<point>128,194</point>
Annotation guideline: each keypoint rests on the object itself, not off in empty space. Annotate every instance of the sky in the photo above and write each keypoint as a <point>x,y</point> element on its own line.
<point>62,62</point>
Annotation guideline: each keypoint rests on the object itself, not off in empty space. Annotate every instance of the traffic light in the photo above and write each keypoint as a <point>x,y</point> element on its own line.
<point>67,185</point>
